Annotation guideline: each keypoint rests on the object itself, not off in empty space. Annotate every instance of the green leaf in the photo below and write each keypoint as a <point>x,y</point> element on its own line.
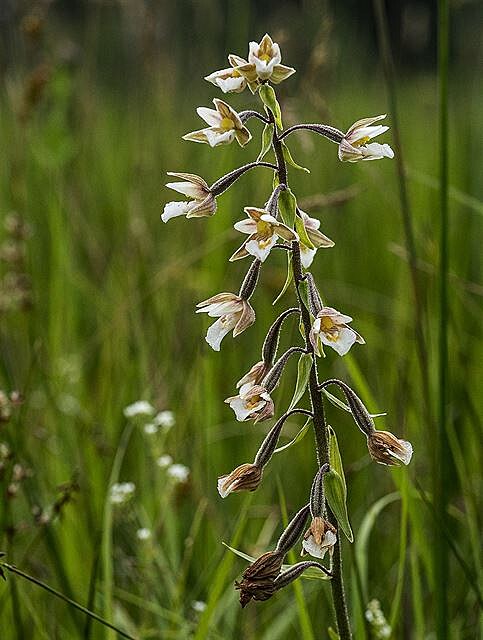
<point>267,135</point>
<point>303,288</point>
<point>335,486</point>
<point>301,230</point>
<point>288,279</point>
<point>289,160</point>
<point>269,99</point>
<point>309,574</point>
<point>287,205</point>
<point>297,438</point>
<point>303,373</point>
<point>342,405</point>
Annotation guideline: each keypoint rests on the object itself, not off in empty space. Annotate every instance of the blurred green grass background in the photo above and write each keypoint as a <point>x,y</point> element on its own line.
<point>94,100</point>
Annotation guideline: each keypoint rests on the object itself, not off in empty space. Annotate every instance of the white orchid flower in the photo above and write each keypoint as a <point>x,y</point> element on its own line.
<point>252,403</point>
<point>225,126</point>
<point>319,538</point>
<point>229,80</point>
<point>330,327</point>
<point>264,231</point>
<point>354,145</point>
<point>233,313</point>
<point>316,237</point>
<point>263,63</point>
<point>203,202</point>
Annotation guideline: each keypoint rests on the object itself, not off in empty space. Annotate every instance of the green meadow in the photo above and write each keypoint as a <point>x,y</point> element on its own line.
<point>97,301</point>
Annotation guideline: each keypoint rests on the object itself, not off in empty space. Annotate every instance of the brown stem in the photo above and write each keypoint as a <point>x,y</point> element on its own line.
<point>317,404</point>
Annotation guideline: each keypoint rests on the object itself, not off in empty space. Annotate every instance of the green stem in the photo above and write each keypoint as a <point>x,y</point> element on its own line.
<point>318,420</point>
<point>61,596</point>
<point>442,449</point>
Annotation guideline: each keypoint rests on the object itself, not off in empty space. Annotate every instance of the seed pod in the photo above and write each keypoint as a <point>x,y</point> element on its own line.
<point>293,531</point>
<point>269,444</point>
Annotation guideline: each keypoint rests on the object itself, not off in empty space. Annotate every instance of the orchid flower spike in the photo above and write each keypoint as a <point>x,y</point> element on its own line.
<point>203,201</point>
<point>330,327</point>
<point>232,311</point>
<point>225,126</point>
<point>353,146</point>
<point>264,231</point>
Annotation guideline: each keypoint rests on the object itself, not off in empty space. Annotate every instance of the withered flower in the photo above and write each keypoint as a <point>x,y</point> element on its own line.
<point>385,448</point>
<point>246,477</point>
<point>319,538</point>
<point>253,403</point>
<point>258,579</point>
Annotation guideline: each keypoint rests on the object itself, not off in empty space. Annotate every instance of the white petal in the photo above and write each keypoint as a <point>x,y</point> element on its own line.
<point>307,256</point>
<point>187,189</point>
<point>315,550</point>
<point>240,408</point>
<point>246,226</point>
<point>260,251</point>
<point>336,316</point>
<point>221,489</point>
<point>218,309</point>
<point>218,331</point>
<point>216,137</point>
<point>408,452</point>
<point>174,209</point>
<point>210,116</point>
<point>376,151</point>
<point>343,343</point>
<point>229,85</point>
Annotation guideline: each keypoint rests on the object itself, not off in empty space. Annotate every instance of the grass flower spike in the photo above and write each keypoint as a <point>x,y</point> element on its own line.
<point>330,327</point>
<point>264,231</point>
<point>233,312</point>
<point>225,126</point>
<point>203,202</point>
<point>354,145</point>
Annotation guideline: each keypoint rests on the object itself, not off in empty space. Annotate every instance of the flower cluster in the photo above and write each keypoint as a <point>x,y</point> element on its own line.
<point>280,223</point>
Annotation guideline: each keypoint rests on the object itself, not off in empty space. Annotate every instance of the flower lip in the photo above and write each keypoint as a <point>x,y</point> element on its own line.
<point>331,328</point>
<point>319,538</point>
<point>354,145</point>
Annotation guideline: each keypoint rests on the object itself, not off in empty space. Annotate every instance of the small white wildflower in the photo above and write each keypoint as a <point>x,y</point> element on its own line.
<point>354,145</point>
<point>121,492</point>
<point>198,605</point>
<point>139,408</point>
<point>150,428</point>
<point>164,461</point>
<point>178,472</point>
<point>224,126</point>
<point>165,419</point>
<point>330,327</point>
<point>143,534</point>
<point>376,619</point>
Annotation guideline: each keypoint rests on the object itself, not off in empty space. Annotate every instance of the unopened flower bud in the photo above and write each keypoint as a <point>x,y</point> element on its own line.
<point>246,477</point>
<point>385,448</point>
<point>293,531</point>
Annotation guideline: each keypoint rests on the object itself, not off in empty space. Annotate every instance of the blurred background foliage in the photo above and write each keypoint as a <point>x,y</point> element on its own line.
<point>96,312</point>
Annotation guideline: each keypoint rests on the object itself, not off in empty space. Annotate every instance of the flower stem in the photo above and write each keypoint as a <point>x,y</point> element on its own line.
<point>317,404</point>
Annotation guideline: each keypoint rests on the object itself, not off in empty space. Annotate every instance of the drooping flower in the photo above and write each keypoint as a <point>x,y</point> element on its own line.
<point>386,449</point>
<point>330,327</point>
<point>224,126</point>
<point>264,231</point>
<point>229,80</point>
<point>203,201</point>
<point>233,312</point>
<point>253,377</point>
<point>246,477</point>
<point>253,403</point>
<point>316,237</point>
<point>319,538</point>
<point>263,64</point>
<point>354,145</point>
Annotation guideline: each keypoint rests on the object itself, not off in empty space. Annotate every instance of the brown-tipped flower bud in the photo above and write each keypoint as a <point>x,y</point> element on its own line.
<point>293,531</point>
<point>315,301</point>
<point>250,280</point>
<point>385,448</point>
<point>317,497</point>
<point>258,579</point>
<point>273,377</point>
<point>246,477</point>
<point>270,345</point>
<point>359,412</point>
<point>319,538</point>
<point>295,571</point>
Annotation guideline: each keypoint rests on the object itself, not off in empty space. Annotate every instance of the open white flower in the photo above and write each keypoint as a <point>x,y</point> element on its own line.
<point>225,126</point>
<point>264,231</point>
<point>233,312</point>
<point>330,328</point>
<point>263,63</point>
<point>253,403</point>
<point>253,377</point>
<point>316,237</point>
<point>319,538</point>
<point>229,80</point>
<point>353,146</point>
<point>203,202</point>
